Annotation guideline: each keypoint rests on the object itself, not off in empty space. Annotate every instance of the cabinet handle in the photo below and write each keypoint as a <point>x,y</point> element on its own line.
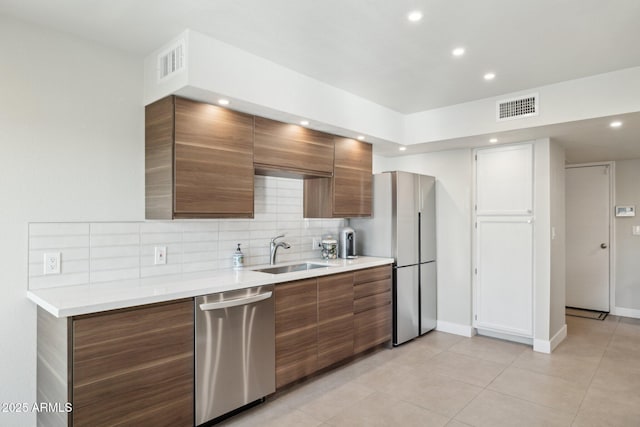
<point>603,246</point>
<point>235,302</point>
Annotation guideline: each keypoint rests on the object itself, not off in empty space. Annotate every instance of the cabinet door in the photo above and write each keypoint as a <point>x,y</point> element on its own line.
<point>296,330</point>
<point>213,173</point>
<point>504,292</point>
<point>504,180</point>
<point>372,308</point>
<point>286,147</point>
<point>352,178</point>
<point>335,318</point>
<point>134,367</point>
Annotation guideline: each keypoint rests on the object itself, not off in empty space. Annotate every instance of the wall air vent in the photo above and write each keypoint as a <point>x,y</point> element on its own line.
<point>171,61</point>
<point>517,108</point>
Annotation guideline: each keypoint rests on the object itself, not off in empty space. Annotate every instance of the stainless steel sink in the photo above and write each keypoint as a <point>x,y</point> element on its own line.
<point>290,268</point>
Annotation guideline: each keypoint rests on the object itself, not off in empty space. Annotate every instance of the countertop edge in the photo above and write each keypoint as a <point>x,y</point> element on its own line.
<point>88,299</point>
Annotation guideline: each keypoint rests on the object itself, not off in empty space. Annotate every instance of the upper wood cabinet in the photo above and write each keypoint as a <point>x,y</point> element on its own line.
<point>199,161</point>
<point>348,192</point>
<point>285,149</point>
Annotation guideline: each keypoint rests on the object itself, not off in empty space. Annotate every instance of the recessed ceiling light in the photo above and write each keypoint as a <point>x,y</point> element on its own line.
<point>615,124</point>
<point>489,76</point>
<point>493,140</point>
<point>459,51</point>
<point>403,148</point>
<point>304,122</point>
<point>414,16</point>
<point>223,101</point>
<point>360,137</point>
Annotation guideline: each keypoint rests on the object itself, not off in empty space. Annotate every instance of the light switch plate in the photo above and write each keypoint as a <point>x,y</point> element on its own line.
<point>635,230</point>
<point>160,255</point>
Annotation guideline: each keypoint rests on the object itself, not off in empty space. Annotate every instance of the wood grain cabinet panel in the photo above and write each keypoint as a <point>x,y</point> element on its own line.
<point>372,321</point>
<point>372,327</point>
<point>199,161</point>
<point>289,150</point>
<point>352,178</point>
<point>349,192</point>
<point>335,318</point>
<point>319,323</point>
<point>296,317</point>
<point>134,366</point>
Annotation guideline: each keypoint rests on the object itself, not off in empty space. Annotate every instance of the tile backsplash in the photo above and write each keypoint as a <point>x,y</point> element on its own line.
<point>101,252</point>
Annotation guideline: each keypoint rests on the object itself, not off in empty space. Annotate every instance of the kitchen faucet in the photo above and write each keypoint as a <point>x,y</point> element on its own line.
<point>274,248</point>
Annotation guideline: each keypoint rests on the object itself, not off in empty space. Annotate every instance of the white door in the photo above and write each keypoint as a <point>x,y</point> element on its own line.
<point>504,276</point>
<point>588,218</point>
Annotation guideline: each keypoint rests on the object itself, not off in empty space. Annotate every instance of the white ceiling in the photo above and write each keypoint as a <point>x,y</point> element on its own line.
<point>368,47</point>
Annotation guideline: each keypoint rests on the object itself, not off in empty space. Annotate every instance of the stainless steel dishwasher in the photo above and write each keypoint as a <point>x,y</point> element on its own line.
<point>235,350</point>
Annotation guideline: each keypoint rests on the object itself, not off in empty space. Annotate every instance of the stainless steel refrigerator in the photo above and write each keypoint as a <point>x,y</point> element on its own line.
<point>403,227</point>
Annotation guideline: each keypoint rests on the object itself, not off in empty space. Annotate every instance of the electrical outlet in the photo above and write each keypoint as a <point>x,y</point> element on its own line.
<point>316,243</point>
<point>160,256</point>
<point>52,263</point>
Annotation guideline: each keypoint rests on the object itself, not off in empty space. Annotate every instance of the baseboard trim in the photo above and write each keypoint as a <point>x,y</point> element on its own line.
<point>455,328</point>
<point>626,312</point>
<point>544,346</point>
<point>505,336</point>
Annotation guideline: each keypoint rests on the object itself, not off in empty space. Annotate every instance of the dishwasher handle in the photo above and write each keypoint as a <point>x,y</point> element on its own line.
<point>235,302</point>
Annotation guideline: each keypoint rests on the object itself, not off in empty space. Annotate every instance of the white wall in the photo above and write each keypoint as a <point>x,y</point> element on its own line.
<point>542,240</point>
<point>262,87</point>
<point>627,246</point>
<point>602,95</point>
<point>72,135</point>
<point>558,240</point>
<point>453,172</point>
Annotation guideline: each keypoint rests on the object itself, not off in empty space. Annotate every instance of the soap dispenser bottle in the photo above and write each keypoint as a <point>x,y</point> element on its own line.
<point>238,258</point>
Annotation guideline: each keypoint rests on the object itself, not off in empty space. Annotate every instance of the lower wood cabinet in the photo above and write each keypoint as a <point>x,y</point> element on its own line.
<point>335,318</point>
<point>321,322</point>
<point>372,321</point>
<point>124,367</point>
<point>296,315</point>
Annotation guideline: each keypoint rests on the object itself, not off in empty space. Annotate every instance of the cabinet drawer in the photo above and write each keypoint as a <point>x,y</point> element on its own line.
<point>335,340</point>
<point>372,301</point>
<point>371,288</point>
<point>372,274</point>
<point>371,327</point>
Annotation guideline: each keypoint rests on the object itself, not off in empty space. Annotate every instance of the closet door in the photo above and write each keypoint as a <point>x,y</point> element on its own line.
<point>504,276</point>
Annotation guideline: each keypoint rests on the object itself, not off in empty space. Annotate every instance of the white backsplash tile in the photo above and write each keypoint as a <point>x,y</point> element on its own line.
<point>112,251</point>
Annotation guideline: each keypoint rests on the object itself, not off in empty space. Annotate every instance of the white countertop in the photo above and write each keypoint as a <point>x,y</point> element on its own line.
<point>84,299</point>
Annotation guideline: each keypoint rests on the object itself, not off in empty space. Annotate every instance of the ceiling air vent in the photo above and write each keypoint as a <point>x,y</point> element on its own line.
<point>517,108</point>
<point>171,61</point>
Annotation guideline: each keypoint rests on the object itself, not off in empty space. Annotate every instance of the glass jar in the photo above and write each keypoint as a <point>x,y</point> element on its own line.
<point>329,248</point>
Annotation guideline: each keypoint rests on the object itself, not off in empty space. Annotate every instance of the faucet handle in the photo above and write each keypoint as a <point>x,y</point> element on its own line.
<point>277,237</point>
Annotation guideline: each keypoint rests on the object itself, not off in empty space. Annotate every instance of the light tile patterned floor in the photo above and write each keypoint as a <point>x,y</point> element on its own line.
<point>591,379</point>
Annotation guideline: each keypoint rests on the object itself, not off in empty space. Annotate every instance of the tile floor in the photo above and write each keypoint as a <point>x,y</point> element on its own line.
<point>591,379</point>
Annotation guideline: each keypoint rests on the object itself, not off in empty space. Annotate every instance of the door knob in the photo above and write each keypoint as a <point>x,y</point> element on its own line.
<point>603,245</point>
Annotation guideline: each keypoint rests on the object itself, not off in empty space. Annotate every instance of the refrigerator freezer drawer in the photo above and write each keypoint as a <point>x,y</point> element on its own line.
<point>428,296</point>
<point>405,310</point>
